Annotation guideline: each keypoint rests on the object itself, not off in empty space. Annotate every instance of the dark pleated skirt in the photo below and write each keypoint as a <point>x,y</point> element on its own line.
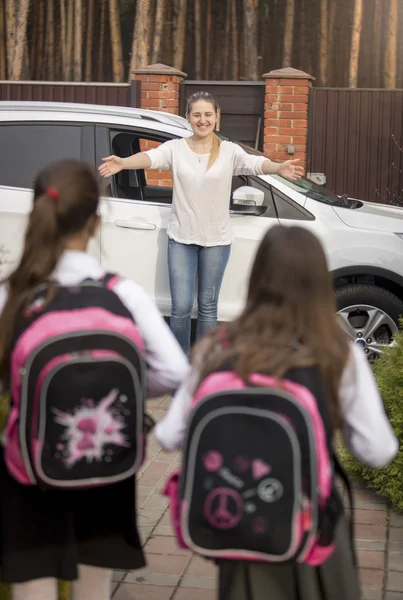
<point>47,534</point>
<point>336,579</point>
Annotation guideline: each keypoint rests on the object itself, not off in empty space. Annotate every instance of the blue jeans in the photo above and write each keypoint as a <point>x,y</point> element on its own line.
<point>185,261</point>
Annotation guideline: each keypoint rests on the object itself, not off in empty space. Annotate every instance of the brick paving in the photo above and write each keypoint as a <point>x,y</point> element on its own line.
<point>175,574</point>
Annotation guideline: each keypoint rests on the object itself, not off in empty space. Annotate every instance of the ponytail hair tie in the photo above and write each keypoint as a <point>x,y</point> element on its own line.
<point>53,194</point>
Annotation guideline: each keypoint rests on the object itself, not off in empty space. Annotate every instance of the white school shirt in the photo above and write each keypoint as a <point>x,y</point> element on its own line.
<point>201,198</point>
<point>166,362</point>
<point>366,431</point>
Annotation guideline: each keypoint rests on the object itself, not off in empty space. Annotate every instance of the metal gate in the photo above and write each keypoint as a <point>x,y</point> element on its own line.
<point>115,94</point>
<point>241,104</point>
<point>356,140</point>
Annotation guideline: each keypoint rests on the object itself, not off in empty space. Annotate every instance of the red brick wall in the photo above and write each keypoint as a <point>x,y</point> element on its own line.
<point>159,91</point>
<point>286,116</point>
<point>155,177</point>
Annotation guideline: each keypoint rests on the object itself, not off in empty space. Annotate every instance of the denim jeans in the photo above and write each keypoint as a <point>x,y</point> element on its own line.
<point>185,262</point>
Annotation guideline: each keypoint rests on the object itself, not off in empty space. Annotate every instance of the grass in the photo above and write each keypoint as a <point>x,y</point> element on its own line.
<point>5,593</point>
<point>64,591</point>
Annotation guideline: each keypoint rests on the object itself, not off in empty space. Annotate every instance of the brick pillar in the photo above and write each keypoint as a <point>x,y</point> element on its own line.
<point>160,87</point>
<point>159,91</point>
<point>286,114</point>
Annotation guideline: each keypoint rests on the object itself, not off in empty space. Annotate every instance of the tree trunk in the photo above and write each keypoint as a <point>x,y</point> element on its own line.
<point>26,73</point>
<point>20,40</point>
<point>218,41</point>
<point>116,41</point>
<point>33,40</point>
<point>250,29</point>
<point>180,33</point>
<point>235,41</point>
<point>227,44</point>
<point>58,51</point>
<point>323,43</point>
<point>355,44</point>
<point>400,55</point>
<point>305,43</point>
<point>50,41</point>
<point>89,41</point>
<point>78,40</point>
<point>198,39</point>
<point>208,41</point>
<point>158,31</point>
<point>141,36</point>
<point>289,33</point>
<point>102,26</point>
<point>3,56</point>
<point>304,39</point>
<point>11,31</point>
<point>63,38</point>
<point>330,40</point>
<point>70,40</point>
<point>391,46</point>
<point>40,49</point>
<point>377,33</point>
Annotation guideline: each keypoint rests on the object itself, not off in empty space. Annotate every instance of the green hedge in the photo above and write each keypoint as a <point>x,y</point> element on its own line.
<point>64,591</point>
<point>386,482</point>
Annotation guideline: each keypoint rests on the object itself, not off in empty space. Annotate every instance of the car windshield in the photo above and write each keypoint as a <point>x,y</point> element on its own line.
<point>303,185</point>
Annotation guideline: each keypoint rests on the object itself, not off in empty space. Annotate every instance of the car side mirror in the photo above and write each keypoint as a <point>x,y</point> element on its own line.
<point>247,200</point>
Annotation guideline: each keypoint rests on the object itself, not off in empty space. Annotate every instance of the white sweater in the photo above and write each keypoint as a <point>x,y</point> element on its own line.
<point>166,362</point>
<point>200,205</point>
<point>366,432</point>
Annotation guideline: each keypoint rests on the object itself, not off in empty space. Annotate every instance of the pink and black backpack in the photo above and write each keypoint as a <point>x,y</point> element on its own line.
<point>77,389</point>
<point>257,477</point>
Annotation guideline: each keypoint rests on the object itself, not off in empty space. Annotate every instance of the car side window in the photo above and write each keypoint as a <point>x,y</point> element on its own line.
<point>151,186</point>
<point>268,198</point>
<point>287,209</point>
<point>27,148</point>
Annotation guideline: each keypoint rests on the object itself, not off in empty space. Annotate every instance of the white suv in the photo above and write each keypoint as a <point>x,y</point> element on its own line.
<point>363,241</point>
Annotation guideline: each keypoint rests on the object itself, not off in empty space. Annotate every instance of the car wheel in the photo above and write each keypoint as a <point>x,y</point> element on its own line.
<point>370,315</point>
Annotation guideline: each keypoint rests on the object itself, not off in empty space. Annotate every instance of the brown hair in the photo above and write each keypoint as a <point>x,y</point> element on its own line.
<point>289,319</point>
<point>216,143</point>
<point>66,196</point>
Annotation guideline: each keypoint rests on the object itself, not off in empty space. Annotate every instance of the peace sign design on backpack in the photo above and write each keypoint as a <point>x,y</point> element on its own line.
<point>256,481</point>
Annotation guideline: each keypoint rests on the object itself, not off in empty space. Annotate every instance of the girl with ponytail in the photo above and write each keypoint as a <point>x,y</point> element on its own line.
<point>76,535</point>
<point>199,231</point>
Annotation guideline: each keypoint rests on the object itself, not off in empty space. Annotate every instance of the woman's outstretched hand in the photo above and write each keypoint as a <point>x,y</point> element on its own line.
<point>111,166</point>
<point>289,169</point>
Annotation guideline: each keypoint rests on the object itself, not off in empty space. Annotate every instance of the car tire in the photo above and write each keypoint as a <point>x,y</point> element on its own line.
<point>352,294</point>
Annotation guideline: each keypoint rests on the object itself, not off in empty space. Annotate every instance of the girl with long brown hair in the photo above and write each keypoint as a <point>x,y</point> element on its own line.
<point>199,230</point>
<point>74,535</point>
<point>289,325</point>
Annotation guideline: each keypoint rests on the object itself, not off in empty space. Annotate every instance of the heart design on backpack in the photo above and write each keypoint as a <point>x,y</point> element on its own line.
<point>260,469</point>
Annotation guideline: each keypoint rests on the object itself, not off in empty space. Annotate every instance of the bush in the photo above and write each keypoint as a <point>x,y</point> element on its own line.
<point>387,482</point>
<point>64,591</point>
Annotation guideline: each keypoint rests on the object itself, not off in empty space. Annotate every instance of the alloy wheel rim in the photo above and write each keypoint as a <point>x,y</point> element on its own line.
<point>369,327</point>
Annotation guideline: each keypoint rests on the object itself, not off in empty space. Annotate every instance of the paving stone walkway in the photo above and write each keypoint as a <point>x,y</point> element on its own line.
<point>174,574</point>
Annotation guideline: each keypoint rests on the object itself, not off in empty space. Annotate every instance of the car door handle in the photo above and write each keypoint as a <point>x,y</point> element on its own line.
<point>132,224</point>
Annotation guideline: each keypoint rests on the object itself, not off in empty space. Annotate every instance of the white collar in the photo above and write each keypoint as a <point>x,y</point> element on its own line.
<point>74,266</point>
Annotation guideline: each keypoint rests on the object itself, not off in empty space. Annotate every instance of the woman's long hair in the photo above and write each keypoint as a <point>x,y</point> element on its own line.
<point>216,143</point>
<point>66,196</point>
<point>289,319</point>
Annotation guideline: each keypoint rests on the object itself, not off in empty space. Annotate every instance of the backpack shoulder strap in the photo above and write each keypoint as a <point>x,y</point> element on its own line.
<point>310,377</point>
<point>109,280</point>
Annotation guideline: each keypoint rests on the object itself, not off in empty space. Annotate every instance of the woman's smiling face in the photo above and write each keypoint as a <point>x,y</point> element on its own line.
<point>202,118</point>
